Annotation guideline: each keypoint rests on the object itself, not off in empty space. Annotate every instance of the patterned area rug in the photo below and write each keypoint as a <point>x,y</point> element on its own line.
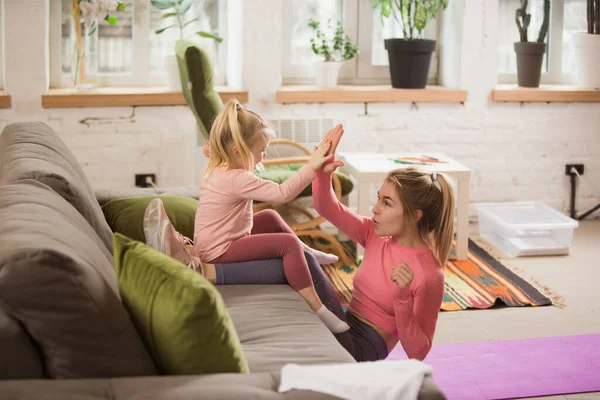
<point>479,282</point>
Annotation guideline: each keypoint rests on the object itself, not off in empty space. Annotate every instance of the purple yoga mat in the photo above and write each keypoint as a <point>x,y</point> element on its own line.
<point>515,368</point>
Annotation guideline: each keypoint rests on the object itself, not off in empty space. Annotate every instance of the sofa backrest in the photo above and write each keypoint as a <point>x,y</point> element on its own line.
<point>57,280</point>
<point>32,150</point>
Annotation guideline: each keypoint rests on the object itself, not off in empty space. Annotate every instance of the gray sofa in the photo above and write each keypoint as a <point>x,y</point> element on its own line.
<point>64,334</point>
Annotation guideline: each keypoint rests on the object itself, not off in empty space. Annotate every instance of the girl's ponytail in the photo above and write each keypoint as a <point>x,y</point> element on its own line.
<point>235,127</point>
<point>234,109</point>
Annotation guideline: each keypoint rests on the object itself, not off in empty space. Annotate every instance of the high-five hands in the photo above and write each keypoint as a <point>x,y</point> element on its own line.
<point>332,139</point>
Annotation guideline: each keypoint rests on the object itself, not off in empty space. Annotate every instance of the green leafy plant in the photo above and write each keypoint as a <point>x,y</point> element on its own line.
<point>338,48</point>
<point>176,9</point>
<point>593,17</point>
<point>413,15</point>
<point>522,18</point>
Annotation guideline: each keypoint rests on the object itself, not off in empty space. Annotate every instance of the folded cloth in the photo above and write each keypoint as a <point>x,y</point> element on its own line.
<point>381,380</point>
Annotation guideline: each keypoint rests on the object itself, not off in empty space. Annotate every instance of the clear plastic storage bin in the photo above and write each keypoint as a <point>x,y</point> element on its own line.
<point>525,228</point>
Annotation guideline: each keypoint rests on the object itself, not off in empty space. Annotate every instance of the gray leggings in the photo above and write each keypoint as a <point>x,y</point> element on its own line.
<point>362,341</point>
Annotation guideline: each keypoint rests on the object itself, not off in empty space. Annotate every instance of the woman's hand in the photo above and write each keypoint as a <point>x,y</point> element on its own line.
<point>402,274</point>
<point>319,155</point>
<point>333,136</point>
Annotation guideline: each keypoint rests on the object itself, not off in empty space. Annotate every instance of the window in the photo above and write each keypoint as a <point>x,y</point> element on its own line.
<point>130,53</point>
<point>566,18</point>
<point>361,22</point>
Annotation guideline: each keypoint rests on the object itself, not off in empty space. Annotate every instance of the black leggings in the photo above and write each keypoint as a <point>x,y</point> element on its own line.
<point>362,341</point>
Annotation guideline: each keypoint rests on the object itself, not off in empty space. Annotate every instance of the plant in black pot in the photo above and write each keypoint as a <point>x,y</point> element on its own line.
<point>530,55</point>
<point>410,56</point>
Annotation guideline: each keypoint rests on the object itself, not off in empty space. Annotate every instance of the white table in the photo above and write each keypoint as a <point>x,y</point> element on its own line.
<point>368,168</point>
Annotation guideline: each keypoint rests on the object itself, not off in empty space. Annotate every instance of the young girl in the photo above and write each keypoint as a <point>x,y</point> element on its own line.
<point>399,287</point>
<point>226,231</point>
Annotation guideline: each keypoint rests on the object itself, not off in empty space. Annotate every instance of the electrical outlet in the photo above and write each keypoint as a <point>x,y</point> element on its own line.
<point>141,180</point>
<point>578,167</point>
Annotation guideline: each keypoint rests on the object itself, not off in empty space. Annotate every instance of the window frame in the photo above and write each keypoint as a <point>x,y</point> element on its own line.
<point>358,24</point>
<point>554,41</point>
<point>140,75</point>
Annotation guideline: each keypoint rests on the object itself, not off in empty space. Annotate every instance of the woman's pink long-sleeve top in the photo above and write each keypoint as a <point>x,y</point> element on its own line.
<point>407,313</point>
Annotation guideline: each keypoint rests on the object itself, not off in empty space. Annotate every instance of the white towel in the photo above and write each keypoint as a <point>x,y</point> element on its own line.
<point>380,380</point>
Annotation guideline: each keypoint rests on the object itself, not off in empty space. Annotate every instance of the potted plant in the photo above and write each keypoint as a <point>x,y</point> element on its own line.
<point>334,52</point>
<point>530,55</point>
<point>410,56</point>
<point>84,37</point>
<point>587,48</point>
<point>175,12</point>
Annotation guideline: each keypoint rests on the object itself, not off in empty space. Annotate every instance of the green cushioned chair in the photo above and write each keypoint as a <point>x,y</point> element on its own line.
<point>197,83</point>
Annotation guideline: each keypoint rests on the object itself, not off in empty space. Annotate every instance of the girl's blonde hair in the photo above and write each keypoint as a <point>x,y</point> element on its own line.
<point>235,127</point>
<point>432,194</point>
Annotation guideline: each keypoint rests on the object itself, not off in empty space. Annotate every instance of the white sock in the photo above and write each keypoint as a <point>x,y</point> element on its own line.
<point>322,258</point>
<point>334,324</point>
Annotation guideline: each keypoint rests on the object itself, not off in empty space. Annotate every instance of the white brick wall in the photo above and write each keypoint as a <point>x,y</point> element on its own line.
<point>516,152</point>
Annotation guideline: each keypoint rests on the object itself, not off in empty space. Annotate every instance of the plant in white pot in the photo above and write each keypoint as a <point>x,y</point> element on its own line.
<point>175,14</point>
<point>334,50</point>
<point>587,48</point>
<point>530,55</point>
<point>410,56</point>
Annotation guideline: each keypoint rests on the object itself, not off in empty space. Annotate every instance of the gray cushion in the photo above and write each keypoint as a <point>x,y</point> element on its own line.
<point>20,357</point>
<point>31,150</point>
<point>276,326</point>
<point>57,281</point>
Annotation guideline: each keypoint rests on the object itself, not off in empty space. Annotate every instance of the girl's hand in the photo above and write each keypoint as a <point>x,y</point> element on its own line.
<point>402,274</point>
<point>319,155</point>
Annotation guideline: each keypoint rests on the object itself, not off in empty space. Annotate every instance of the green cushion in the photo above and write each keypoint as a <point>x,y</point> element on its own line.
<point>281,173</point>
<point>197,83</point>
<point>126,215</point>
<point>180,315</point>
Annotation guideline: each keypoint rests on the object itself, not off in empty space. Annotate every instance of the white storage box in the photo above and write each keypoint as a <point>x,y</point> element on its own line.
<point>525,228</point>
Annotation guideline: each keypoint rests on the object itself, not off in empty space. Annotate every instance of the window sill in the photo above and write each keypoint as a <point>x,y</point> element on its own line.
<point>128,97</point>
<point>5,100</point>
<point>369,94</point>
<point>545,94</point>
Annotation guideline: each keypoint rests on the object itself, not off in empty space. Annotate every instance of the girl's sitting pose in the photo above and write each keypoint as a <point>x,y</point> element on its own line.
<point>226,231</point>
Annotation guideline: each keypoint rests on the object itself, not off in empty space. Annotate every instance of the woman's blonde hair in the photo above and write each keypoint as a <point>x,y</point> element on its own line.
<point>235,127</point>
<point>432,194</point>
